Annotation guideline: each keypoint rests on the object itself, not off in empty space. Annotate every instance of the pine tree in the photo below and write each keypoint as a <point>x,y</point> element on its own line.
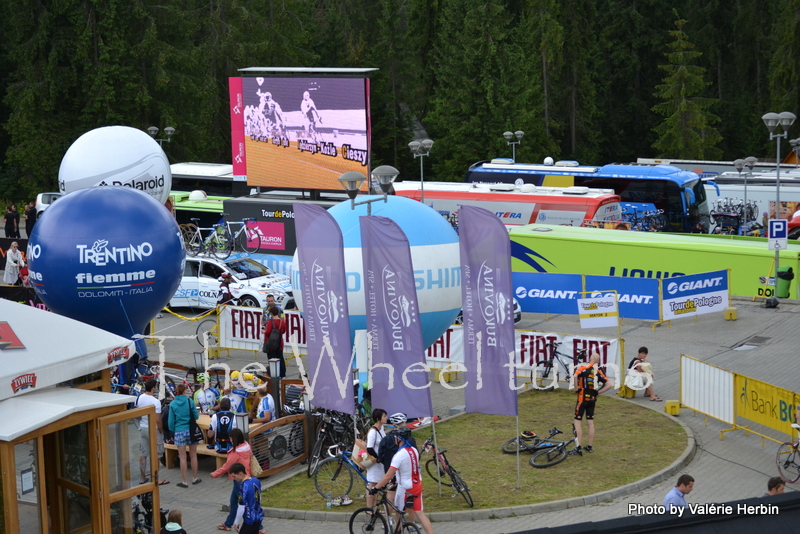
<point>687,130</point>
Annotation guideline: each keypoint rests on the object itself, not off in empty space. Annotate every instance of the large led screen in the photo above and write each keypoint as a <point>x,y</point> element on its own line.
<point>299,133</point>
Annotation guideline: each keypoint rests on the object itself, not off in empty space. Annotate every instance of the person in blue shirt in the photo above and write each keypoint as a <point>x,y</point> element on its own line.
<point>677,496</point>
<point>250,514</point>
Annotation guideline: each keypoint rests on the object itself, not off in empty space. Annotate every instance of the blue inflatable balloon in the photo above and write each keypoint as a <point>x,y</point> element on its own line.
<point>110,257</point>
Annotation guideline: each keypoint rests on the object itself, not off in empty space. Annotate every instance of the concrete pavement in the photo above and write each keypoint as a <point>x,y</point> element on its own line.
<point>735,468</point>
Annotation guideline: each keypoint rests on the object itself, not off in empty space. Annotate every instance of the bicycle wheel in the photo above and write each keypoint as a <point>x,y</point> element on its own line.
<point>208,327</point>
<point>221,245</point>
<point>333,477</point>
<point>440,475</point>
<point>249,240</point>
<point>460,486</point>
<point>194,245</point>
<point>410,528</point>
<point>316,454</point>
<point>549,457</point>
<point>788,461</point>
<point>511,446</point>
<point>368,521</point>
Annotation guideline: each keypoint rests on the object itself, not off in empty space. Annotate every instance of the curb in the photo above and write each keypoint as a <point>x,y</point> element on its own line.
<point>525,509</point>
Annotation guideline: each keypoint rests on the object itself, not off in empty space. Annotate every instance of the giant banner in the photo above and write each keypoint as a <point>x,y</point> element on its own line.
<point>321,268</point>
<point>694,294</point>
<point>547,292</point>
<point>488,314</point>
<point>637,298</point>
<point>396,350</point>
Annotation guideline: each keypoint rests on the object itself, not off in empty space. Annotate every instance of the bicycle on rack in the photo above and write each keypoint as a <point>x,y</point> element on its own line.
<point>334,476</point>
<point>332,430</point>
<point>216,243</point>
<point>528,441</point>
<point>247,236</point>
<point>379,520</point>
<point>445,471</point>
<point>788,459</point>
<point>556,455</point>
<point>556,358</point>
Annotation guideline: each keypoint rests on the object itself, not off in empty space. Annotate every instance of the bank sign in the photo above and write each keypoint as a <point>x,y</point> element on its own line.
<point>694,294</point>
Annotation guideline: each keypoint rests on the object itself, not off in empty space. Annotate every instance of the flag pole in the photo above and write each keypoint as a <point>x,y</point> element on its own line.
<point>519,444</point>
<point>436,455</point>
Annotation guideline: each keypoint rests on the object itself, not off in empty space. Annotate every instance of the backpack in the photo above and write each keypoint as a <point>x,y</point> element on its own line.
<point>168,436</point>
<point>222,434</point>
<point>274,341</point>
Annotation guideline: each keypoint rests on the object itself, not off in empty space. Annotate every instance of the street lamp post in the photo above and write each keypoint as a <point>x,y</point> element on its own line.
<point>169,131</point>
<point>509,140</point>
<point>351,183</point>
<point>420,149</point>
<point>740,164</point>
<point>772,120</point>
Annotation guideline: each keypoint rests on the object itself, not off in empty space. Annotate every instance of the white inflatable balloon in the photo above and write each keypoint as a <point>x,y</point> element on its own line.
<point>116,155</point>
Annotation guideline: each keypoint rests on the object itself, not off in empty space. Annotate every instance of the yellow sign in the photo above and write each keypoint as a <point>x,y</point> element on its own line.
<point>765,404</point>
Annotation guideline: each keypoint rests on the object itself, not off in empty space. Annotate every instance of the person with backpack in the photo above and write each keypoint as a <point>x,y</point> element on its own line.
<point>220,427</point>
<point>404,466</point>
<point>274,331</point>
<point>240,453</point>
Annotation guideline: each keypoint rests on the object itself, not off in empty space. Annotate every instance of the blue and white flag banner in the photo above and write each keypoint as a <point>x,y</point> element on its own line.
<point>694,294</point>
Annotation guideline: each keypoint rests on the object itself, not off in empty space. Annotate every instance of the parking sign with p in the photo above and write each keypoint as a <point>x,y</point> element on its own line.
<point>778,234</point>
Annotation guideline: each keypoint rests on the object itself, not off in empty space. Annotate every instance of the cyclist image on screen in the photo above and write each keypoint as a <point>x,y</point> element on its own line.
<point>272,114</point>
<point>310,118</point>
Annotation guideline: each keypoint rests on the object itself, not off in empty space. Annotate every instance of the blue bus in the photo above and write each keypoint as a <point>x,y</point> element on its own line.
<point>679,193</point>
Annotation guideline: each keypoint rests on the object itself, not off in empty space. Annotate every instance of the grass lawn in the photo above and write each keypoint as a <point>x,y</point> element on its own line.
<point>631,443</point>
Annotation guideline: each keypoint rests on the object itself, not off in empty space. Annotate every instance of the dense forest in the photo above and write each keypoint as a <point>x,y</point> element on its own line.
<point>596,81</point>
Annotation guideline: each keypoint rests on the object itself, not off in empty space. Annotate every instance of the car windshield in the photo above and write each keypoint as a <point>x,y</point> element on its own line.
<point>245,269</point>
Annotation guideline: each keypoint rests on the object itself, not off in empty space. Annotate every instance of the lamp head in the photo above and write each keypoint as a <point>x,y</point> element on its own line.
<point>518,134</point>
<point>385,174</point>
<point>739,164</point>
<point>427,144</point>
<point>169,131</point>
<point>787,119</point>
<point>351,183</point>
<point>771,121</point>
<point>414,146</point>
<point>508,135</point>
<point>750,162</point>
<point>153,130</point>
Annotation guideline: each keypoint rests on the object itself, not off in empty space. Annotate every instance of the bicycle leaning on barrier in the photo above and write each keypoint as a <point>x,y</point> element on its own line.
<point>788,459</point>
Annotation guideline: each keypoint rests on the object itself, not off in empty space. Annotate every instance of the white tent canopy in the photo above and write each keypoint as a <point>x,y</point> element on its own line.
<point>39,349</point>
<point>29,412</point>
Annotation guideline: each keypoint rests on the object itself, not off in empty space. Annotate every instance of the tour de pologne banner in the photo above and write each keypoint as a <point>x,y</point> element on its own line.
<point>598,312</point>
<point>694,294</point>
<point>488,312</point>
<point>393,320</point>
<point>320,255</point>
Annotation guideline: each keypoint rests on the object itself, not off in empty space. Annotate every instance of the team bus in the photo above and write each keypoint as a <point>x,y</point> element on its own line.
<point>542,248</point>
<point>515,206</point>
<point>680,194</point>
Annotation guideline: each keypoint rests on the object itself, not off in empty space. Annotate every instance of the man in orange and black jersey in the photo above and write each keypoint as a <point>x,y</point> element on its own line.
<point>587,378</point>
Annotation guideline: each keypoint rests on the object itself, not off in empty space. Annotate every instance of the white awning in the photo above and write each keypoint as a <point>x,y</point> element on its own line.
<point>29,412</point>
<point>40,349</point>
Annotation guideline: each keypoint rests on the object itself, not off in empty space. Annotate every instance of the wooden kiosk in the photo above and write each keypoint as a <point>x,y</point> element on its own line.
<point>69,449</point>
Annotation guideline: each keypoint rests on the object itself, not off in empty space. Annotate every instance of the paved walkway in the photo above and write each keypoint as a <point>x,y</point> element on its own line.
<point>735,468</point>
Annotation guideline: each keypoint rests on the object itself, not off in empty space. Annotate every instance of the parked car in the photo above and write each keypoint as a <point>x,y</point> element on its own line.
<point>252,282</point>
<point>45,199</point>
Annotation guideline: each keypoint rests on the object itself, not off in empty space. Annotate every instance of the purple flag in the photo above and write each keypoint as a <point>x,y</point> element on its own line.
<point>488,311</point>
<point>320,256</point>
<point>398,373</point>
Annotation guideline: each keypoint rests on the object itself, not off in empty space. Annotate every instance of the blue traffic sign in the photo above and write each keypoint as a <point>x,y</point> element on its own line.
<point>778,229</point>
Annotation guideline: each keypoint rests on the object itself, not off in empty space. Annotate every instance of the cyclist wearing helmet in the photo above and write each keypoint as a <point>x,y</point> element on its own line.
<point>225,296</point>
<point>405,468</point>
<point>205,397</point>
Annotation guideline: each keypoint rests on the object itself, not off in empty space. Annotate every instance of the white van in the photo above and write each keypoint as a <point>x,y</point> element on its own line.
<point>45,199</point>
